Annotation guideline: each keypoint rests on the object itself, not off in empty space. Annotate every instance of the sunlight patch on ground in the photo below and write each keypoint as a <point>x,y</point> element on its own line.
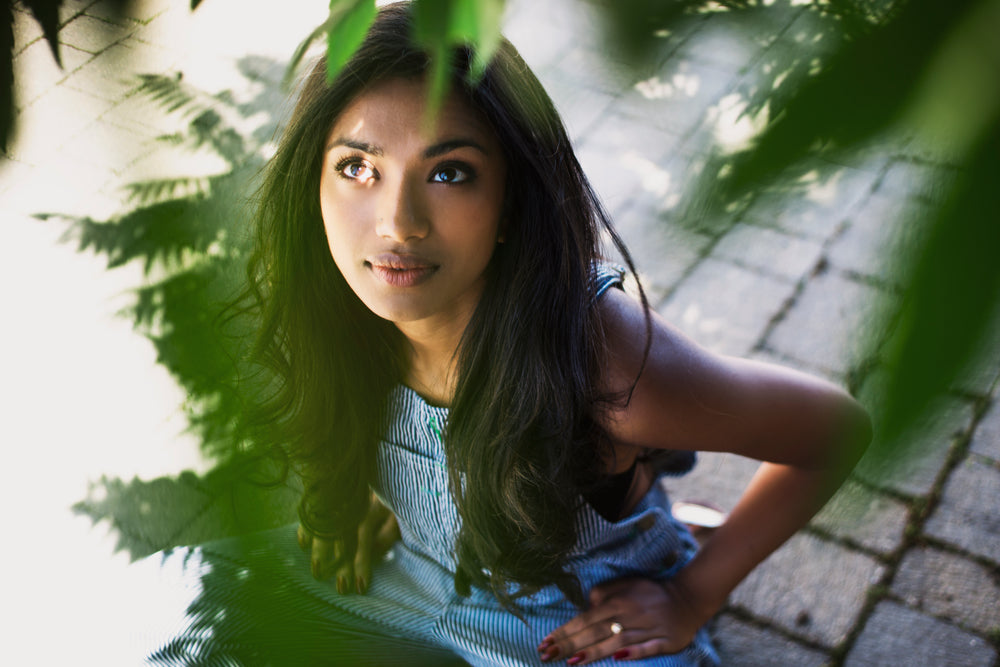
<point>733,128</point>
<point>679,84</point>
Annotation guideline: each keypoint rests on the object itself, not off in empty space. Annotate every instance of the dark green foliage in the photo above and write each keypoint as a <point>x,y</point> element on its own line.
<point>860,90</point>
<point>190,233</point>
<point>256,607</point>
<point>346,32</point>
<point>6,73</point>
<point>46,12</point>
<point>240,496</point>
<point>443,25</point>
<point>952,300</point>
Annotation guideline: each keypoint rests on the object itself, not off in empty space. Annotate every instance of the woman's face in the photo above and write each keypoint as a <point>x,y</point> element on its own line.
<point>412,214</point>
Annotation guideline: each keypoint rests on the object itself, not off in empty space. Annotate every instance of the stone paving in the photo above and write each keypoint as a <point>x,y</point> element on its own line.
<point>903,566</point>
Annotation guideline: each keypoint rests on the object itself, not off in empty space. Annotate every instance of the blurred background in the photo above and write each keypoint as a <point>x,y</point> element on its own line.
<point>807,183</point>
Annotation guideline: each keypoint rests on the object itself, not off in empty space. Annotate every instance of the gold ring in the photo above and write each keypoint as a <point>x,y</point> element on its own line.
<point>616,628</point>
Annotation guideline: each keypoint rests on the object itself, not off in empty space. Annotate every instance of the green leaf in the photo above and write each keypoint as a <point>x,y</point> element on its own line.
<point>443,25</point>
<point>348,24</point>
<point>953,298</point>
<point>478,24</point>
<point>46,12</point>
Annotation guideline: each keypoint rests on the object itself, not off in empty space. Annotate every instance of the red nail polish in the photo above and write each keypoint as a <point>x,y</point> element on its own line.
<point>550,654</point>
<point>577,658</point>
<point>621,654</point>
<point>545,644</point>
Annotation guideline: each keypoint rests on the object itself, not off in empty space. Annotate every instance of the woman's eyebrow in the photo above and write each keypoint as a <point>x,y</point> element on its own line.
<point>362,146</point>
<point>452,144</point>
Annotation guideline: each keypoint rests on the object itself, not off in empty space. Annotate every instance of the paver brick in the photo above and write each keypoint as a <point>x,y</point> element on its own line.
<point>895,635</point>
<point>793,588</point>
<point>106,147</point>
<point>980,374</point>
<point>828,325</point>
<point>986,437</point>
<point>580,109</point>
<point>944,584</point>
<point>663,252</point>
<point>881,238</point>
<point>110,75</point>
<point>625,161</point>
<point>676,98</point>
<point>871,519</point>
<point>724,307</point>
<point>732,40</point>
<point>46,126</point>
<point>520,26</point>
<point>967,515</point>
<point>91,34</point>
<point>718,479</point>
<point>769,251</point>
<point>741,644</point>
<point>816,208</point>
<point>78,185</point>
<point>904,178</point>
<point>36,71</point>
<point>26,31</point>
<point>596,69</point>
<point>121,12</point>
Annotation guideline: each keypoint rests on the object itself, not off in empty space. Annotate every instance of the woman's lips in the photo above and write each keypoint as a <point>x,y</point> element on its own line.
<point>401,270</point>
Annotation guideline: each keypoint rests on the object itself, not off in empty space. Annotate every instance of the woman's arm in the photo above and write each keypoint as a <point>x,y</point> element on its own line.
<point>808,432</point>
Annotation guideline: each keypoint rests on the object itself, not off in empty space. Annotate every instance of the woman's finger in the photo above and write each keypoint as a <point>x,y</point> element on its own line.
<point>584,631</point>
<point>363,556</point>
<point>345,569</point>
<point>322,558</point>
<point>656,646</point>
<point>594,642</point>
<point>304,538</point>
<point>375,535</point>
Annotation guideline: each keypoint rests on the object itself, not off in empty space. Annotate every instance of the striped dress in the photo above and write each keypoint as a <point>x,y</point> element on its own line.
<point>256,602</point>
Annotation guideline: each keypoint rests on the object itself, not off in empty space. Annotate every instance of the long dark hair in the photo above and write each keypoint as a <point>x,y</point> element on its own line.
<point>521,440</point>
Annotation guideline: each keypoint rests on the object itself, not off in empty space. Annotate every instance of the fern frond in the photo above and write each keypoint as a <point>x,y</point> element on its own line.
<point>144,193</point>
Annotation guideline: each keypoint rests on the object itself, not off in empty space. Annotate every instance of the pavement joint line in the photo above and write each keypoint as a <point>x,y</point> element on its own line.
<point>921,508</point>
<point>954,550</point>
<point>847,542</point>
<point>749,617</point>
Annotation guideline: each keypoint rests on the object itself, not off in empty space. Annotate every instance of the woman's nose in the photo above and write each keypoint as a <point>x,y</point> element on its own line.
<point>401,216</point>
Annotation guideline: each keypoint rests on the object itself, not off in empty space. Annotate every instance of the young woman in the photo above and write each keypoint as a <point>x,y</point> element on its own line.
<point>434,300</point>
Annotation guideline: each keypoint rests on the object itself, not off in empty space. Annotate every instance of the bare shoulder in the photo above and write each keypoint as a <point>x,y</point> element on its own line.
<point>687,397</point>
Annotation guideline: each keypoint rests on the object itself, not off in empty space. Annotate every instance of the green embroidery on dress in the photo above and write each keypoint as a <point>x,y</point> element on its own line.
<point>432,422</point>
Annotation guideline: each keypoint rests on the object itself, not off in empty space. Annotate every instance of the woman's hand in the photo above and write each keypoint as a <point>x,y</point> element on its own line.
<point>376,533</point>
<point>652,618</point>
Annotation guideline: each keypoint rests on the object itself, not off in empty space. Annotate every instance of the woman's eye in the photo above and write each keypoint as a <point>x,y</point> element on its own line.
<point>450,174</point>
<point>357,170</point>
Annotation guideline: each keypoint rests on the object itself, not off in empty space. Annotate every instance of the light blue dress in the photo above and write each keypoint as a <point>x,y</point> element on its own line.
<point>411,613</point>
